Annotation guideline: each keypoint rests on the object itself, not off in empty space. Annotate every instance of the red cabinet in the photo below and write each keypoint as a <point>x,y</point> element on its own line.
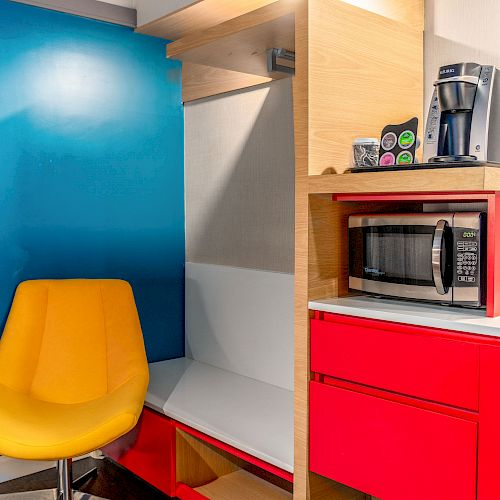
<point>488,486</point>
<point>149,451</point>
<point>397,358</point>
<point>385,448</point>
<point>405,412</point>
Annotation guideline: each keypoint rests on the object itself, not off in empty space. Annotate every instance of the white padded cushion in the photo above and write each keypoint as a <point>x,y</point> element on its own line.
<point>250,415</point>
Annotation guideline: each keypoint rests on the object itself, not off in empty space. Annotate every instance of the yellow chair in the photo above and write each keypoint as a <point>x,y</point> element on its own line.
<point>73,372</point>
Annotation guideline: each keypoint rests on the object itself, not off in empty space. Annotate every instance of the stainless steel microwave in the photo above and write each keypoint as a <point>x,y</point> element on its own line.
<point>437,257</point>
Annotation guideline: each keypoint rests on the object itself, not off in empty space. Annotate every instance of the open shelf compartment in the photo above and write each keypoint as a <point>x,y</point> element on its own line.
<point>206,471</point>
<point>329,246</point>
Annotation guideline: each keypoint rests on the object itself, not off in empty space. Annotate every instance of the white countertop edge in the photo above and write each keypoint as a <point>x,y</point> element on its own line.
<point>153,403</point>
<point>460,320</point>
<point>227,440</point>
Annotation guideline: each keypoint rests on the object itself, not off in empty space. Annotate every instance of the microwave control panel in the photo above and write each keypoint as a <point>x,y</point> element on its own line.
<point>467,257</point>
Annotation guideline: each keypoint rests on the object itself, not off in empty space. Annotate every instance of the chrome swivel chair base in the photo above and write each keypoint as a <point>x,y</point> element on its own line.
<point>65,485</point>
<point>46,495</point>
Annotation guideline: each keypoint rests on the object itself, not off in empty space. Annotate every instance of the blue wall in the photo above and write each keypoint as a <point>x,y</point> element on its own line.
<point>91,163</point>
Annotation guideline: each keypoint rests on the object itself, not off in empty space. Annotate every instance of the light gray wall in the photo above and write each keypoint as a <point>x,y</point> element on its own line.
<point>240,179</point>
<point>460,30</point>
<point>149,10</point>
<point>124,3</point>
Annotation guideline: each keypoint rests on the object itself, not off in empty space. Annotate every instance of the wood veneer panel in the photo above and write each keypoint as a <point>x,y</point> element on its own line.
<point>200,81</point>
<point>301,335</point>
<point>307,485</point>
<point>364,71</point>
<point>199,463</point>
<point>199,16</point>
<point>244,486</point>
<point>409,12</point>
<point>241,44</point>
<point>433,180</point>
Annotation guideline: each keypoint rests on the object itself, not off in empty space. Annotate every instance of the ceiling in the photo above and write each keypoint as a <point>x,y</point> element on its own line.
<point>123,3</point>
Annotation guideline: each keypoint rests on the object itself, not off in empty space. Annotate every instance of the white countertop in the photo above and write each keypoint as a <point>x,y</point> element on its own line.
<point>250,415</point>
<point>412,313</point>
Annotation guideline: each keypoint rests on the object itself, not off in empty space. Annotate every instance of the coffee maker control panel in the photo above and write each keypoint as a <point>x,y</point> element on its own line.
<point>479,131</point>
<point>432,130</point>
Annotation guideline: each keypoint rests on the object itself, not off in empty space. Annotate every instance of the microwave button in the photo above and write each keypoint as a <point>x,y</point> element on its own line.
<point>467,279</point>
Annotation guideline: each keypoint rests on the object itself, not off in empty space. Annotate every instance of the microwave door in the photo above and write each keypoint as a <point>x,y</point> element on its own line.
<point>407,257</point>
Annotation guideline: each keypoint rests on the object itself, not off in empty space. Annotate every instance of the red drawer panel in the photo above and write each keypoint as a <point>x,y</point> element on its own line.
<point>149,451</point>
<point>371,353</point>
<point>390,450</point>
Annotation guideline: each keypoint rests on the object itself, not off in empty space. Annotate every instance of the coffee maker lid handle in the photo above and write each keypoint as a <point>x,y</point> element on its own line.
<point>464,78</point>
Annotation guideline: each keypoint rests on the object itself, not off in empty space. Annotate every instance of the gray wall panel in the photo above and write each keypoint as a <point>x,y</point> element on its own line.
<point>150,10</point>
<point>240,179</point>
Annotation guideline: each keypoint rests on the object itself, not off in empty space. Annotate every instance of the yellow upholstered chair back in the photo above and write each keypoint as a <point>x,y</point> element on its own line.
<point>71,341</point>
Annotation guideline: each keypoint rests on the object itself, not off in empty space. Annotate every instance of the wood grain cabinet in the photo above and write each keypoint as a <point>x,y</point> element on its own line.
<point>401,411</point>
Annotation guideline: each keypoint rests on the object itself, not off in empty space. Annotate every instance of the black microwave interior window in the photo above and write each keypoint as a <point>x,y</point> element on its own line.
<point>395,254</point>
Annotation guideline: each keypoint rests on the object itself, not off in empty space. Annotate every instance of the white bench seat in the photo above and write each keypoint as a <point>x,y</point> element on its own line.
<point>253,416</point>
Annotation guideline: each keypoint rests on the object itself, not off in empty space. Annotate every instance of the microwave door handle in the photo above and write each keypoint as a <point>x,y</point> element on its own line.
<point>437,245</point>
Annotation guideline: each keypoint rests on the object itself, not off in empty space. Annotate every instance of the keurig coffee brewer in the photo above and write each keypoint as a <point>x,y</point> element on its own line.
<point>461,114</point>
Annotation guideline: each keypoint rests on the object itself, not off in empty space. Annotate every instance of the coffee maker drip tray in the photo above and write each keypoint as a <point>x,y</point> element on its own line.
<point>424,166</point>
<point>452,159</point>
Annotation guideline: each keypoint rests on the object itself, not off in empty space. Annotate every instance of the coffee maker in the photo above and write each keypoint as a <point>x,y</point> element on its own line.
<point>462,115</point>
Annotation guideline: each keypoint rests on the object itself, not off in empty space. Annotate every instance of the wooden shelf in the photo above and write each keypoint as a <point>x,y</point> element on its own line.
<point>199,16</point>
<point>202,81</point>
<point>412,181</point>
<point>244,486</point>
<point>240,44</point>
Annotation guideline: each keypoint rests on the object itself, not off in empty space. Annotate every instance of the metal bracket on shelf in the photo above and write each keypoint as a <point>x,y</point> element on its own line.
<point>281,60</point>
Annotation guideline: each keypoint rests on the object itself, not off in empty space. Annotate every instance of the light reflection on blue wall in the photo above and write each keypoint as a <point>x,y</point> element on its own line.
<point>91,163</point>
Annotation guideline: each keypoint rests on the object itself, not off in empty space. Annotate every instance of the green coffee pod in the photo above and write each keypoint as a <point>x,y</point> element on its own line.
<point>404,158</point>
<point>406,139</point>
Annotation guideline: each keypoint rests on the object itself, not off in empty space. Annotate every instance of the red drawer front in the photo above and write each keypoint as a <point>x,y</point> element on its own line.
<point>149,451</point>
<point>398,359</point>
<point>391,450</point>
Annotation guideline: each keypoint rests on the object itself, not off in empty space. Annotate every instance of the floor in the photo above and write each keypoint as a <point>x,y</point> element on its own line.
<point>12,469</point>
<point>113,482</point>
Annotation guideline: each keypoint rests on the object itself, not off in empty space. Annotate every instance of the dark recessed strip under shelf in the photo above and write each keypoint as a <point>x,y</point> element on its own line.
<point>423,166</point>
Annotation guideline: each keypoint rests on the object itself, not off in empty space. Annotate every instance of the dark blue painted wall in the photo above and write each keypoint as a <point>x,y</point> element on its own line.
<point>91,163</point>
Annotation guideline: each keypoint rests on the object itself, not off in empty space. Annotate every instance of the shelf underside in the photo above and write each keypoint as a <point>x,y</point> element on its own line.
<point>199,16</point>
<point>233,54</point>
<point>415,181</point>
<point>240,44</point>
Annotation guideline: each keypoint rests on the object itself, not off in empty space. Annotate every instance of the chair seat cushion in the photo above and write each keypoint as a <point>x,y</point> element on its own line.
<point>32,429</point>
